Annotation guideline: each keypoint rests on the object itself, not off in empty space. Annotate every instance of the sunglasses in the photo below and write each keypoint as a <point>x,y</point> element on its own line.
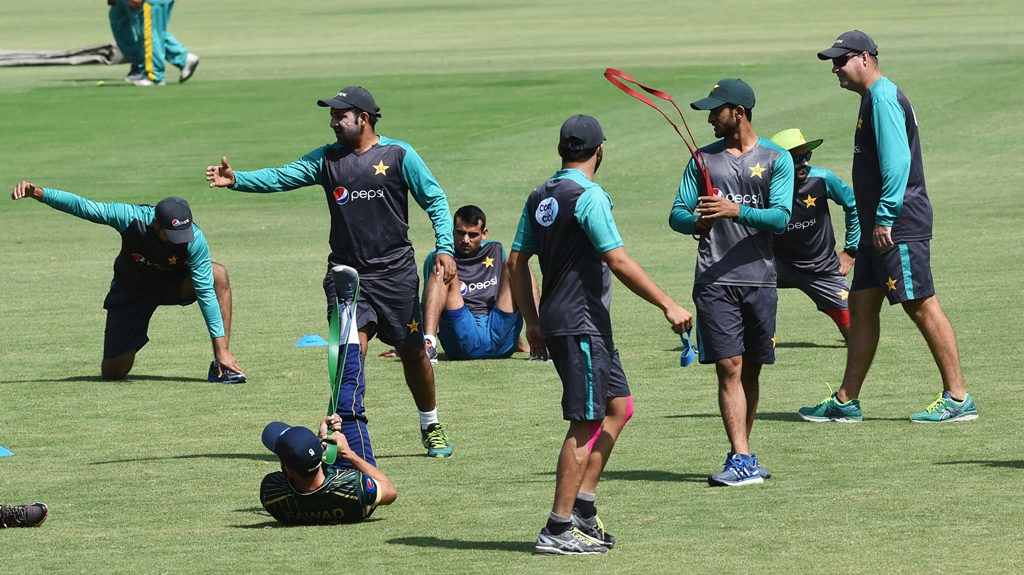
<point>802,158</point>
<point>842,60</point>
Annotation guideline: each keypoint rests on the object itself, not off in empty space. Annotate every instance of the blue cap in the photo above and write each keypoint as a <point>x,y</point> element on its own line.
<point>296,447</point>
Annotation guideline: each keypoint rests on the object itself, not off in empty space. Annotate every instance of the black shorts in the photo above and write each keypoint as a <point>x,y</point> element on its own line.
<point>828,291</point>
<point>735,320</point>
<point>388,307</point>
<point>591,373</point>
<point>904,271</point>
<point>129,312</point>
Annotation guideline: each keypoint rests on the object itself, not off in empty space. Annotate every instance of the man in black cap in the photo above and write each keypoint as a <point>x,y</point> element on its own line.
<point>734,285</point>
<point>307,491</point>
<point>164,260</point>
<point>894,258</point>
<point>568,223</point>
<point>368,179</point>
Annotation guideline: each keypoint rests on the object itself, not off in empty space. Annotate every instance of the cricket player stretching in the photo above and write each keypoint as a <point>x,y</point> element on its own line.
<point>568,222</point>
<point>164,260</point>
<point>805,254</point>
<point>894,260</point>
<point>734,284</point>
<point>367,179</point>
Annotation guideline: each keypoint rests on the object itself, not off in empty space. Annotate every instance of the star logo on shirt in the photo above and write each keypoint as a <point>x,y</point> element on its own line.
<point>891,284</point>
<point>860,122</point>
<point>809,201</point>
<point>773,341</point>
<point>380,169</point>
<point>413,327</point>
<point>843,294</point>
<point>172,260</point>
<point>488,262</point>
<point>756,170</point>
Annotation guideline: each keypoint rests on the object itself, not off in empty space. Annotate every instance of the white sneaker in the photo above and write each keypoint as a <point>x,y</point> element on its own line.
<point>191,62</point>
<point>147,82</point>
<point>135,77</point>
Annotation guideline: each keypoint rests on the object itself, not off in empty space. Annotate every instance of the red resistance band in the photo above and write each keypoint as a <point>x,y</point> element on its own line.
<point>617,77</point>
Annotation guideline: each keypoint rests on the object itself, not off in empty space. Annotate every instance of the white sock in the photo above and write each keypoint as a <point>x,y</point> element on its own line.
<point>432,339</point>
<point>427,418</point>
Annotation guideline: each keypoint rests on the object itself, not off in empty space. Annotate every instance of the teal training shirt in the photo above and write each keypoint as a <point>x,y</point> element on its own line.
<point>479,276</point>
<point>367,197</point>
<point>888,172</point>
<point>568,223</point>
<point>809,242</point>
<point>739,251</point>
<point>136,266</point>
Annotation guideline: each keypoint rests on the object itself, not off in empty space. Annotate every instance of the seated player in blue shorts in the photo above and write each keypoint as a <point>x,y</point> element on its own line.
<point>474,316</point>
<point>164,260</point>
<point>309,492</point>
<point>805,252</point>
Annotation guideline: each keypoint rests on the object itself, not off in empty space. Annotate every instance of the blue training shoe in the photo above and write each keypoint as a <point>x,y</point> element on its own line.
<point>739,470</point>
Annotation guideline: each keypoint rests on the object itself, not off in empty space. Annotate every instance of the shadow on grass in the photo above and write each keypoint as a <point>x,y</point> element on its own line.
<point>510,546</point>
<point>421,455</point>
<point>810,344</point>
<point>98,379</point>
<point>1010,463</point>
<point>774,416</point>
<point>251,456</point>
<point>653,475</point>
<point>646,475</point>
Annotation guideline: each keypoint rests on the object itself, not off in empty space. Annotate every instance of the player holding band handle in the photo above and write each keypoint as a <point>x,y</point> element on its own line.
<point>568,223</point>
<point>734,284</point>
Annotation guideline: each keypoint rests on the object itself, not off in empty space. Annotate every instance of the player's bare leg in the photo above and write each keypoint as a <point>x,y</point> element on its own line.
<point>573,460</point>
<point>616,414</point>
<point>865,329</point>
<point>938,332</point>
<point>117,367</point>
<point>439,296</point>
<point>419,376</point>
<point>506,302</point>
<point>751,378</point>
<point>732,403</point>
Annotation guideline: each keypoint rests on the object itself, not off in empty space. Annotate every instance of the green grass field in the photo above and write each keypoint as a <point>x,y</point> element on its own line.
<point>160,473</point>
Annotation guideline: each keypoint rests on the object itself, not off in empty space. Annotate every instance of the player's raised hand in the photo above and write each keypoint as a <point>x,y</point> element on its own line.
<point>680,319</point>
<point>27,190</point>
<point>221,176</point>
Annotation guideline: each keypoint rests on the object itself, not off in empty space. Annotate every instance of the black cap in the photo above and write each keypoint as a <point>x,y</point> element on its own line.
<point>852,41</point>
<point>580,132</point>
<point>352,97</point>
<point>175,218</point>
<point>296,447</point>
<point>728,91</point>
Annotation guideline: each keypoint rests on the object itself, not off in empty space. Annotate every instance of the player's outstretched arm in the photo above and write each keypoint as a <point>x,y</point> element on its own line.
<point>25,189</point>
<point>221,176</point>
<point>636,279</point>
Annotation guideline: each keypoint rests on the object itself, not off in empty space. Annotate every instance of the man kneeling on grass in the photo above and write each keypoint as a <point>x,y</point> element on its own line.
<point>309,492</point>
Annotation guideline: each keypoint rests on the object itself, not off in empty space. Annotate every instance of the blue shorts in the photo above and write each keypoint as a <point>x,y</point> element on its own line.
<point>467,336</point>
<point>129,312</point>
<point>903,272</point>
